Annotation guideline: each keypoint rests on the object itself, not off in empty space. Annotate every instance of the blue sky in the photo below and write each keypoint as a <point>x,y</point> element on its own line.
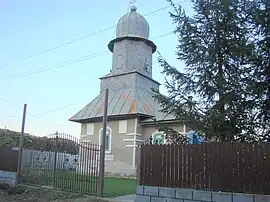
<point>29,27</point>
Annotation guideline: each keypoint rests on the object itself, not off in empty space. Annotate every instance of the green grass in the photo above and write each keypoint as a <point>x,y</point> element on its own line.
<point>119,186</point>
<point>80,183</point>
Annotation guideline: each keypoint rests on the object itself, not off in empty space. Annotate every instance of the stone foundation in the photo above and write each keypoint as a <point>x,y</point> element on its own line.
<point>160,194</point>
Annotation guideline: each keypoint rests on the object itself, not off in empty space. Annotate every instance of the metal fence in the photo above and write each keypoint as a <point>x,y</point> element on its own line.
<point>63,162</point>
<point>229,167</point>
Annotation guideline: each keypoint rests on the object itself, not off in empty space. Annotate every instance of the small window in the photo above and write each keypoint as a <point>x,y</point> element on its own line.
<point>158,138</point>
<point>90,129</point>
<point>122,126</point>
<point>107,139</point>
<point>83,129</point>
<point>146,65</point>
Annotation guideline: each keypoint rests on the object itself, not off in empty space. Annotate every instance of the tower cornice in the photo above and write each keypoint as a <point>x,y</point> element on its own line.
<point>150,43</point>
<point>125,73</point>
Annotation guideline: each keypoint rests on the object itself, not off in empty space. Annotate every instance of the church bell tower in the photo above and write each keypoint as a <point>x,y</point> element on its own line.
<point>130,81</point>
<point>131,49</point>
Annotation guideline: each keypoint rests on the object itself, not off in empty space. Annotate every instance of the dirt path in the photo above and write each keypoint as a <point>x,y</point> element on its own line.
<point>29,194</point>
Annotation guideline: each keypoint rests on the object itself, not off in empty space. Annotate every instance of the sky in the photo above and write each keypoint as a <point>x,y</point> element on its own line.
<point>52,54</point>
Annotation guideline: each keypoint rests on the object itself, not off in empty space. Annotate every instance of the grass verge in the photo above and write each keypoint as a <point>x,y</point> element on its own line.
<point>80,183</point>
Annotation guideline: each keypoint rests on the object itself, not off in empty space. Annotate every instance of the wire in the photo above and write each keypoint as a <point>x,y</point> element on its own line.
<point>69,62</point>
<point>39,115</point>
<point>57,109</point>
<point>77,39</point>
<point>11,104</point>
<point>58,65</point>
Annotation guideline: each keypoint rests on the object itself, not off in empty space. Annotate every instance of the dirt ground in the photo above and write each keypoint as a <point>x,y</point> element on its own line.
<point>29,194</point>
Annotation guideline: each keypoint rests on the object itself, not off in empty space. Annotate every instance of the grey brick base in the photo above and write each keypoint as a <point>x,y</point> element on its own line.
<point>160,194</point>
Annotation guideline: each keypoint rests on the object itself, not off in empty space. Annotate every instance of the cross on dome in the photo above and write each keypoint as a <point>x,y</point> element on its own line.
<point>133,8</point>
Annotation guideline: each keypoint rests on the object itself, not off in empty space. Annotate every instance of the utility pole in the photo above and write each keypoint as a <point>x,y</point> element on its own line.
<point>102,147</point>
<point>18,174</point>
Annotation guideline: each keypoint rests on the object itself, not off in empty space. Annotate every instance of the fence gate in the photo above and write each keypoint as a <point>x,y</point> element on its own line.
<point>63,162</point>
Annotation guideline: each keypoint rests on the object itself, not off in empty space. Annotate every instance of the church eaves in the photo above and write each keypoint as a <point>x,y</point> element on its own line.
<point>121,103</point>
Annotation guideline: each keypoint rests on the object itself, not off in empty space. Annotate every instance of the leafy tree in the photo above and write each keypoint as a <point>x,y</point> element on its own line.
<point>212,92</point>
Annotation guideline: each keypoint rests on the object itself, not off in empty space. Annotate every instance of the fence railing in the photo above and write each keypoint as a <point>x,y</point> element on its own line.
<point>228,167</point>
<point>67,164</point>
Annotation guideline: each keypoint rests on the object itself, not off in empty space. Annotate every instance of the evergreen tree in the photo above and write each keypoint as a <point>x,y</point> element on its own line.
<point>215,47</point>
<point>260,67</point>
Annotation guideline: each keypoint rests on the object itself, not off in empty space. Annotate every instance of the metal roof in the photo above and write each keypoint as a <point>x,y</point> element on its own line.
<point>126,102</point>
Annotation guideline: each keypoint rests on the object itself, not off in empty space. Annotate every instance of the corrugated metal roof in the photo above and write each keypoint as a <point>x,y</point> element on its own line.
<point>130,101</point>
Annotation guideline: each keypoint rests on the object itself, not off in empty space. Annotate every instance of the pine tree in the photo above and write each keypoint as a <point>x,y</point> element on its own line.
<point>215,48</point>
<point>260,67</point>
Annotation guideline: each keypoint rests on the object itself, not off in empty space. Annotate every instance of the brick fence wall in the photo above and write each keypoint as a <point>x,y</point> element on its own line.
<point>160,194</point>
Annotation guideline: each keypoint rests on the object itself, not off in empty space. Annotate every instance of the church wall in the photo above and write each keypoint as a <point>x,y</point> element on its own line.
<point>131,125</point>
<point>119,59</point>
<point>126,81</point>
<point>145,83</point>
<point>129,55</point>
<point>120,159</point>
<point>148,130</point>
<point>140,129</point>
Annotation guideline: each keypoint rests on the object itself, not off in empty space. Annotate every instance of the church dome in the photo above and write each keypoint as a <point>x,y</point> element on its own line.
<point>133,25</point>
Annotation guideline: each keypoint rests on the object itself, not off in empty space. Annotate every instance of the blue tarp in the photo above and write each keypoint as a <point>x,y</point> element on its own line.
<point>194,138</point>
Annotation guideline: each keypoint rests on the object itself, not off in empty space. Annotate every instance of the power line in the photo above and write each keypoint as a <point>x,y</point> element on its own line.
<point>77,39</point>
<point>68,62</point>
<point>11,104</point>
<point>58,65</point>
<point>57,109</point>
<point>40,115</point>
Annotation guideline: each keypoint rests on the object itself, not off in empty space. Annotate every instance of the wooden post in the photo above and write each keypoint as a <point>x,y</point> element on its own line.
<point>18,174</point>
<point>102,147</point>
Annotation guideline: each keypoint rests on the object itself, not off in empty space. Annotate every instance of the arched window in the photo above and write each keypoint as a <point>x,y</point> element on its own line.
<point>158,138</point>
<point>107,139</point>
